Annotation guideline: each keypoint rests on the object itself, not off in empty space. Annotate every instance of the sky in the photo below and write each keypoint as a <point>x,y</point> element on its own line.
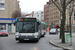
<point>28,6</point>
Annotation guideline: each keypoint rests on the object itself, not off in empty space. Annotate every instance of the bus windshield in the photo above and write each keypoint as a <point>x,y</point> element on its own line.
<point>25,27</point>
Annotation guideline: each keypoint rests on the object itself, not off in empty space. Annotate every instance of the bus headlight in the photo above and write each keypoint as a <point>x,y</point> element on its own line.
<point>17,36</point>
<point>36,36</point>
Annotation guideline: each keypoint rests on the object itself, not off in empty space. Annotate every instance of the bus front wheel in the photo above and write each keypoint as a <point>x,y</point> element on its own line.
<point>20,40</point>
<point>36,40</point>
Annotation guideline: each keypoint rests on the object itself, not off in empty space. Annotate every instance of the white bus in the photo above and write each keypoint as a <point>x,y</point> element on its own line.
<point>29,29</point>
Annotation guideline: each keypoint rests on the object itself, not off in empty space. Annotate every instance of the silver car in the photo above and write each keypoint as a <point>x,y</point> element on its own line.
<point>53,31</point>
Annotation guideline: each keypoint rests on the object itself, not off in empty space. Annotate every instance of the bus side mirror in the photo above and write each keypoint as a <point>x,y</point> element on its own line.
<point>38,23</point>
<point>14,23</point>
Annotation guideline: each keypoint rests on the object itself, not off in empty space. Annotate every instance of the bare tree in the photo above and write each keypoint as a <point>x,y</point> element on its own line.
<point>62,5</point>
<point>16,14</point>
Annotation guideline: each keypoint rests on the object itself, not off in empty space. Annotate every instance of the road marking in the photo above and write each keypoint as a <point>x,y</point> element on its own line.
<point>55,48</point>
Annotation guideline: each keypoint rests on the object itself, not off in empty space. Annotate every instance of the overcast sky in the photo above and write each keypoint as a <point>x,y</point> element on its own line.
<point>32,5</point>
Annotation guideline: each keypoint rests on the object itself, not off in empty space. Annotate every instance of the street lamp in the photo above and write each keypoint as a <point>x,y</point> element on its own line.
<point>71,8</point>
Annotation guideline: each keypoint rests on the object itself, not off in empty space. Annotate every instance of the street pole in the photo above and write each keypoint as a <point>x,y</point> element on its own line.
<point>70,14</point>
<point>71,6</point>
<point>70,32</point>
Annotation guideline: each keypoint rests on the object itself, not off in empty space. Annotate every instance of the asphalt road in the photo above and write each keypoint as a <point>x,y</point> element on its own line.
<point>9,43</point>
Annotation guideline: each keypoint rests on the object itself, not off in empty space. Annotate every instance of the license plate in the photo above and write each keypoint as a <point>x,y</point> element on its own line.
<point>26,39</point>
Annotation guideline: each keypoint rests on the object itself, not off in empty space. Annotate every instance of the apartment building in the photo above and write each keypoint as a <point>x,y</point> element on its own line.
<point>7,7</point>
<point>36,14</point>
<point>46,14</point>
<point>69,8</point>
<point>39,15</point>
<point>53,15</point>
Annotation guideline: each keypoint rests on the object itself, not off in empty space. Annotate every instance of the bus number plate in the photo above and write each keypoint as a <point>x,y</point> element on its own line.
<point>26,39</point>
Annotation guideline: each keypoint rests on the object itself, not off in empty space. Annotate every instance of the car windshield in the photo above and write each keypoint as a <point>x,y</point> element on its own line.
<point>25,27</point>
<point>52,30</point>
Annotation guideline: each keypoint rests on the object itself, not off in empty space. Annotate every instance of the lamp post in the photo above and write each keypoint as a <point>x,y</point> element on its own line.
<point>71,8</point>
<point>70,27</point>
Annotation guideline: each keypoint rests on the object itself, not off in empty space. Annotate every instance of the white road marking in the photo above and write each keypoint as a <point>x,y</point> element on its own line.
<point>55,48</point>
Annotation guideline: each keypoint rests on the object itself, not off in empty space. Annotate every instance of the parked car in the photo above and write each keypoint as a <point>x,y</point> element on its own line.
<point>53,31</point>
<point>3,33</point>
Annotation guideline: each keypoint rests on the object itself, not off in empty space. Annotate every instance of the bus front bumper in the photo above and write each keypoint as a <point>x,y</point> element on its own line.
<point>27,38</point>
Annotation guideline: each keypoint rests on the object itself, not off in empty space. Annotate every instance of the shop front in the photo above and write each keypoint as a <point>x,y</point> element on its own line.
<point>7,24</point>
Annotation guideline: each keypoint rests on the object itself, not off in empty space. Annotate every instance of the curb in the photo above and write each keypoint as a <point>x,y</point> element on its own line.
<point>65,48</point>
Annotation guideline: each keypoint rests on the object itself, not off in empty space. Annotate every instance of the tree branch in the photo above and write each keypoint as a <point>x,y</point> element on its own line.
<point>57,6</point>
<point>69,2</point>
<point>72,11</point>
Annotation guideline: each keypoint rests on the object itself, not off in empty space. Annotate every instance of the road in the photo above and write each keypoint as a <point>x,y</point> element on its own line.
<point>9,43</point>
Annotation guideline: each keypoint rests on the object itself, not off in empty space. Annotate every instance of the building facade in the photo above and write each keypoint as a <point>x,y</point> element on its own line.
<point>7,7</point>
<point>39,15</point>
<point>51,14</point>
<point>68,10</point>
<point>54,15</point>
<point>36,14</point>
<point>46,14</point>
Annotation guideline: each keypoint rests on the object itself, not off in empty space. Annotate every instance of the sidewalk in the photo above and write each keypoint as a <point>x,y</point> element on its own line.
<point>66,46</point>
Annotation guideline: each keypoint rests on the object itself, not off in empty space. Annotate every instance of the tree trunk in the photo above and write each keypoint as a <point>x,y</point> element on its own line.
<point>63,33</point>
<point>70,26</point>
<point>61,29</point>
<point>63,21</point>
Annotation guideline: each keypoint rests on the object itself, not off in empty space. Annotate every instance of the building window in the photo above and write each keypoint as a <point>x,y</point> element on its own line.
<point>37,15</point>
<point>42,15</point>
<point>41,12</point>
<point>2,5</point>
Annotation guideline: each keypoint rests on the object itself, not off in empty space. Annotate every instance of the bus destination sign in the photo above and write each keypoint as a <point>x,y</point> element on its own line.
<point>26,19</point>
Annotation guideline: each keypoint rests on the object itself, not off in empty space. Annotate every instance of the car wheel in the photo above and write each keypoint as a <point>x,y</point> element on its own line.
<point>7,35</point>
